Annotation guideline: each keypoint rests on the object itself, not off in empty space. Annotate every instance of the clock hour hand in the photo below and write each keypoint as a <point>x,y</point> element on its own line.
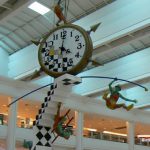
<point>63,49</point>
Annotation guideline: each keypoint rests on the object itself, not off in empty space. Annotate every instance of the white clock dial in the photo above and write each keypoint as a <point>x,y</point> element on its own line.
<point>63,49</point>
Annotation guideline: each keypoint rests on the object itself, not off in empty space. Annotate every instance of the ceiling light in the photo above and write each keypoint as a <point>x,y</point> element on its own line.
<point>114,133</point>
<point>143,136</point>
<point>5,114</point>
<point>39,8</point>
<point>90,129</point>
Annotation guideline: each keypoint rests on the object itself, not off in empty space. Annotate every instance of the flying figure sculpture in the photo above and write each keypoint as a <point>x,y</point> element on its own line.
<point>114,95</point>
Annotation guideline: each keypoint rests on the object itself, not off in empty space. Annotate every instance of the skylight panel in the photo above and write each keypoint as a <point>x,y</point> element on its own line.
<point>39,8</point>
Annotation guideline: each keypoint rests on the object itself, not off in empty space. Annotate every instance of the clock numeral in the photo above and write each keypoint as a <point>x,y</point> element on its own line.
<point>48,59</point>
<point>61,65</point>
<point>50,43</point>
<point>70,62</point>
<point>46,52</point>
<point>71,34</point>
<point>63,34</point>
<point>77,55</point>
<point>77,38</point>
<point>55,37</point>
<point>79,46</point>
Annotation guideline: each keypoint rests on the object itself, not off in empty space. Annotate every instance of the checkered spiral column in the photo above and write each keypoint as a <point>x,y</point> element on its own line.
<point>41,128</point>
<point>44,119</point>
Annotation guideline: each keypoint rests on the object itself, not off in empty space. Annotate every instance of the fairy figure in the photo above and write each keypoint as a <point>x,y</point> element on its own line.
<point>114,95</point>
<point>59,126</point>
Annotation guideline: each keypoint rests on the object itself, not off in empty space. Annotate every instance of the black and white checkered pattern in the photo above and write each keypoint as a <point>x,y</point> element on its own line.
<point>42,133</point>
<point>45,104</point>
<point>42,136</point>
<point>68,81</point>
<point>54,62</point>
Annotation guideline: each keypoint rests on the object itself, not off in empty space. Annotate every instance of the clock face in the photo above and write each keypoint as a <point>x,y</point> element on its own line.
<point>64,50</point>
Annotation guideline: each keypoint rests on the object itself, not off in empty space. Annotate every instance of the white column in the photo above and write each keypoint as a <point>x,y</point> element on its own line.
<point>79,130</point>
<point>11,131</point>
<point>130,134</point>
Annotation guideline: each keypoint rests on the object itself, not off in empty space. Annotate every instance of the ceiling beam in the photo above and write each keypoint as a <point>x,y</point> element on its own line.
<point>17,88</point>
<point>26,24</point>
<point>19,6</point>
<point>13,32</point>
<point>5,37</point>
<point>127,39</point>
<point>2,2</point>
<point>9,48</point>
<point>2,47</point>
<point>79,6</point>
<point>8,6</point>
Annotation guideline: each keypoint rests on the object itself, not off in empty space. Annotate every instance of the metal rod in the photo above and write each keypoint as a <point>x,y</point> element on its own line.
<point>29,94</point>
<point>103,77</point>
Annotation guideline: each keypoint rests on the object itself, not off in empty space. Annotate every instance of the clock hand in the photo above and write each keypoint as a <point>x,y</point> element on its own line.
<point>62,46</point>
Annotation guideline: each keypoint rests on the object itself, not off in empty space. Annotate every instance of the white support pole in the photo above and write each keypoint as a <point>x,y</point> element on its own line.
<point>130,134</point>
<point>12,119</point>
<point>79,130</point>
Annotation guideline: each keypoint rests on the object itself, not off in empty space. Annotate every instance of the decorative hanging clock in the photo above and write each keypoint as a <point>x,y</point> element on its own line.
<point>66,49</point>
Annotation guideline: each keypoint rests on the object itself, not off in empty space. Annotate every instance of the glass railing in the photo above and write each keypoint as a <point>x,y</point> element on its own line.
<point>21,122</point>
<point>107,137</point>
<point>25,145</point>
<point>116,138</point>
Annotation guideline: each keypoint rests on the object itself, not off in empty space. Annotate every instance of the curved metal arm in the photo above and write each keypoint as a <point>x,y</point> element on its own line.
<point>126,99</point>
<point>110,85</point>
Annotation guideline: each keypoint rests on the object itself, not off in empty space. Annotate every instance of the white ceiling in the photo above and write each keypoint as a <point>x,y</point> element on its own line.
<point>19,25</point>
<point>128,44</point>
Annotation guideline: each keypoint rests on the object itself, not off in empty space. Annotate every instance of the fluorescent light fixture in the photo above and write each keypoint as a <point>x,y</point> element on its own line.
<point>90,129</point>
<point>39,8</point>
<point>114,133</point>
<point>143,136</point>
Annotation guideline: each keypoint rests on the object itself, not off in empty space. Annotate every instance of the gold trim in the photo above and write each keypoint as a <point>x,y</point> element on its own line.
<point>83,62</point>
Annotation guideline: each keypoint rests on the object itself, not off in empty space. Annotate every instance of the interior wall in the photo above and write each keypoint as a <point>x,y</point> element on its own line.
<point>3,62</point>
<point>23,62</point>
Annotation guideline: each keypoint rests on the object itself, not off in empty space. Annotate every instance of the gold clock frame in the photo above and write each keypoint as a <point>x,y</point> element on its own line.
<point>81,64</point>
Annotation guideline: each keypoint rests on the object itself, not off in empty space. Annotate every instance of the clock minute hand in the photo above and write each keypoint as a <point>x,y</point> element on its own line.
<point>62,45</point>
